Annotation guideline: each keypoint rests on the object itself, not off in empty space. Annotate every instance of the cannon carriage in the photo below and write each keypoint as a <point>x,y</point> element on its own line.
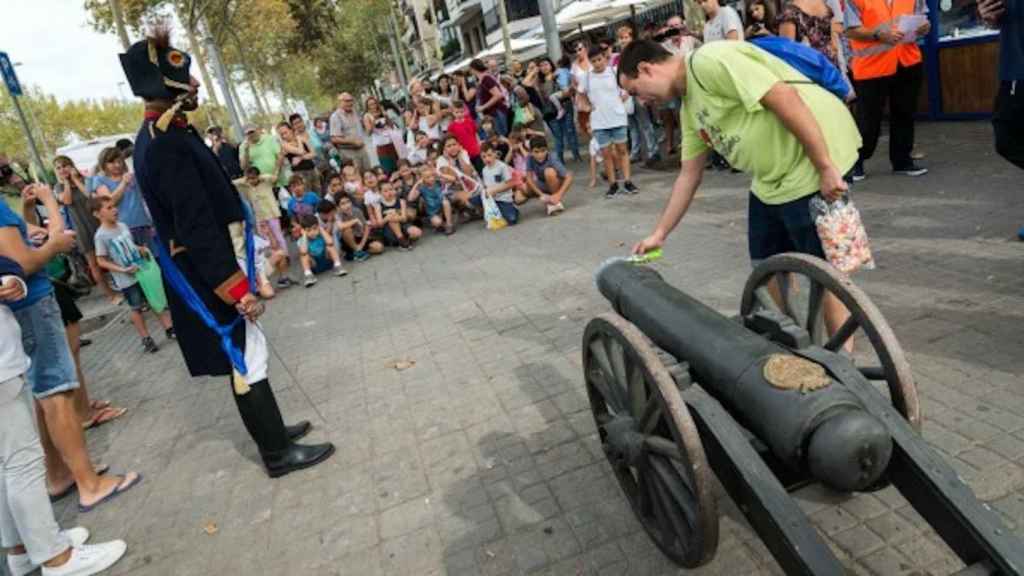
<point>767,402</point>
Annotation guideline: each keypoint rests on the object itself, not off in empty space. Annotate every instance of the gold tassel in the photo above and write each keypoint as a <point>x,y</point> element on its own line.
<point>239,383</point>
<point>165,119</point>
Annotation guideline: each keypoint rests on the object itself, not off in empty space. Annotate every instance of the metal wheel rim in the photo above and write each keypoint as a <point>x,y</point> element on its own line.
<point>644,484</point>
<point>896,369</point>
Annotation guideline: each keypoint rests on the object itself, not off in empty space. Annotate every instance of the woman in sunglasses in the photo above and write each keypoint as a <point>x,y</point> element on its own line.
<point>580,71</point>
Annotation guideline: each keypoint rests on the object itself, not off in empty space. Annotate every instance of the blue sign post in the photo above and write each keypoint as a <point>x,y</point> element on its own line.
<point>10,78</point>
<point>14,89</point>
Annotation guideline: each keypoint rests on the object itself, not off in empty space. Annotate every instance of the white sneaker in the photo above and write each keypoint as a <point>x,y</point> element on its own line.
<point>21,565</point>
<point>309,280</point>
<point>555,208</point>
<point>89,559</point>
<point>339,270</point>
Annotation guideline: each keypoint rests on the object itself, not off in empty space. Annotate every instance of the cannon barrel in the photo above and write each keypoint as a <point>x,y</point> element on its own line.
<point>826,431</point>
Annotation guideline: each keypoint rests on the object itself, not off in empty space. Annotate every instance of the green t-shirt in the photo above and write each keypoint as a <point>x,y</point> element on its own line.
<point>722,110</point>
<point>263,155</point>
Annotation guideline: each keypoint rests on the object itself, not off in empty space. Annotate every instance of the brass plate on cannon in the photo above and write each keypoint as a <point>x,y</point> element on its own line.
<point>794,373</point>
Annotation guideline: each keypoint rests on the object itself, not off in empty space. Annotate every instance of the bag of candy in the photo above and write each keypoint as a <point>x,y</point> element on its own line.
<point>842,234</point>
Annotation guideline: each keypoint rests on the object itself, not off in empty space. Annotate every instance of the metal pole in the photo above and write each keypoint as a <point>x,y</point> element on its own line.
<point>437,33</point>
<point>39,127</point>
<point>222,78</point>
<point>395,51</point>
<point>28,133</point>
<point>547,16</point>
<point>503,19</point>
<point>33,123</point>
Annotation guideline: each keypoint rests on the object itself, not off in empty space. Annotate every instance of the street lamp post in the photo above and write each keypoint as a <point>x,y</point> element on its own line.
<point>33,123</point>
<point>14,91</point>
<point>503,20</point>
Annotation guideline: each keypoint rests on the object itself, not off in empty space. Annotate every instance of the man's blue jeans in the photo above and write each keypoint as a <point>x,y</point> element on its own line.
<point>564,130</point>
<point>641,133</point>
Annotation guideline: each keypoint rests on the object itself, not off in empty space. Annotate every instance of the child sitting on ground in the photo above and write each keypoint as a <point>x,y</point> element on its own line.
<point>316,251</point>
<point>335,188</point>
<point>357,237</point>
<point>458,174</point>
<point>353,183</point>
<point>500,185</point>
<point>371,197</point>
<point>418,155</point>
<point>117,253</point>
<point>269,261</point>
<point>436,206</point>
<point>404,180</point>
<point>546,176</point>
<point>397,230</point>
<point>302,201</point>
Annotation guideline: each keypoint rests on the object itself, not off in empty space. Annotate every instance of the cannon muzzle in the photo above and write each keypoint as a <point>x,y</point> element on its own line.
<point>806,419</point>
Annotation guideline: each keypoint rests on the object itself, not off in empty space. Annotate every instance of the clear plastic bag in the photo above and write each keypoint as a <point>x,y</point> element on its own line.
<point>842,234</point>
<point>492,214</point>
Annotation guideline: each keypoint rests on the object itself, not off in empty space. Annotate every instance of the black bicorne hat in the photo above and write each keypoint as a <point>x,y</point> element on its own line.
<point>155,70</point>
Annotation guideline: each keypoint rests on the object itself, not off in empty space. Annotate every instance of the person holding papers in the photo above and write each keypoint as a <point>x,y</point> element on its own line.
<point>886,65</point>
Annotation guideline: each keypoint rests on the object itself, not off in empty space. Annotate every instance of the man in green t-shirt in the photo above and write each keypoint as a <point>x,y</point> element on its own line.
<point>262,151</point>
<point>792,136</point>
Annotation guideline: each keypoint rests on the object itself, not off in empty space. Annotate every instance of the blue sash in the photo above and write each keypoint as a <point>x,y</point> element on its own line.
<point>177,282</point>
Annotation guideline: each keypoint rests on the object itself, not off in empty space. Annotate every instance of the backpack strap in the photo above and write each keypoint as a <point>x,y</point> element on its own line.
<point>691,71</point>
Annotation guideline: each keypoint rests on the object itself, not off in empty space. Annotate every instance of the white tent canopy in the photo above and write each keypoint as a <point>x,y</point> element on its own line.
<point>518,45</point>
<point>458,65</point>
<point>581,12</point>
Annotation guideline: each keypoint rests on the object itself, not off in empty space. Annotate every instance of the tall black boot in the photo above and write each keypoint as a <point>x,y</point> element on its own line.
<point>262,418</point>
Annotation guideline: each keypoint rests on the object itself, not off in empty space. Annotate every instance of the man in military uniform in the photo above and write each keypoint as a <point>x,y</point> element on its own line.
<point>200,217</point>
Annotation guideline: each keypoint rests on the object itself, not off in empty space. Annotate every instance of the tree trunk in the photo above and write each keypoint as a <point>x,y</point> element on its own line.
<point>122,30</point>
<point>238,102</point>
<point>197,51</point>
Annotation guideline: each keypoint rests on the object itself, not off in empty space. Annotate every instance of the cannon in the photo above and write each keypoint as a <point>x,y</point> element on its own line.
<point>768,402</point>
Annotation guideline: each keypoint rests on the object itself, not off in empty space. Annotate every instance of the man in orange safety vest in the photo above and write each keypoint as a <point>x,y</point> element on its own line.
<point>886,66</point>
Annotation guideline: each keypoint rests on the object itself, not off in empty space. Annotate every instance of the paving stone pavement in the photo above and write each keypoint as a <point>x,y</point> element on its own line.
<point>482,458</point>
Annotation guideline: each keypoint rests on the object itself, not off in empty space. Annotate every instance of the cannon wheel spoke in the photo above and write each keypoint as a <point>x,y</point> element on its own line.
<point>668,482</point>
<point>602,377</point>
<point>821,279</point>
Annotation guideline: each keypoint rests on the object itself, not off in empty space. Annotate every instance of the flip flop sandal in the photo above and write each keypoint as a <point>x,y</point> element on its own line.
<point>106,415</point>
<point>121,488</point>
<point>99,404</point>
<point>100,470</point>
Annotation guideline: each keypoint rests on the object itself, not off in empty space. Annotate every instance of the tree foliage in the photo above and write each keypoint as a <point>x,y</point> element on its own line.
<point>62,123</point>
<point>307,49</point>
<point>355,52</point>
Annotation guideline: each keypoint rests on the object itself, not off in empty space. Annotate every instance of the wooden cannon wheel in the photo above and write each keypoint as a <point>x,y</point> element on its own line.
<point>650,440</point>
<point>807,279</point>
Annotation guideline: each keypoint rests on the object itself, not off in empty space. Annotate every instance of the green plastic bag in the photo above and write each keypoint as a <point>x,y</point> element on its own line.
<point>152,284</point>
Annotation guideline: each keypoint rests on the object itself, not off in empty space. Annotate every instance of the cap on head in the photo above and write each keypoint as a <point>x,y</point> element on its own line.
<point>154,69</point>
<point>249,129</point>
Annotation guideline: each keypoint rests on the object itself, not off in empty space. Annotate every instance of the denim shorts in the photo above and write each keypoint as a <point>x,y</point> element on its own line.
<point>776,228</point>
<point>42,334</point>
<point>606,136</point>
<point>135,297</point>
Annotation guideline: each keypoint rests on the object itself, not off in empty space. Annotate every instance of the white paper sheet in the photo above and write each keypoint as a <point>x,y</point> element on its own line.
<point>908,24</point>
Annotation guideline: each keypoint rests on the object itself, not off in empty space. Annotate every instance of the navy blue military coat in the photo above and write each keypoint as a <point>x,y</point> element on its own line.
<point>192,201</point>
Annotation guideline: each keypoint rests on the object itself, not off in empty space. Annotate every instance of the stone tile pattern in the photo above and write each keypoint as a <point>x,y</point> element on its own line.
<point>482,458</point>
